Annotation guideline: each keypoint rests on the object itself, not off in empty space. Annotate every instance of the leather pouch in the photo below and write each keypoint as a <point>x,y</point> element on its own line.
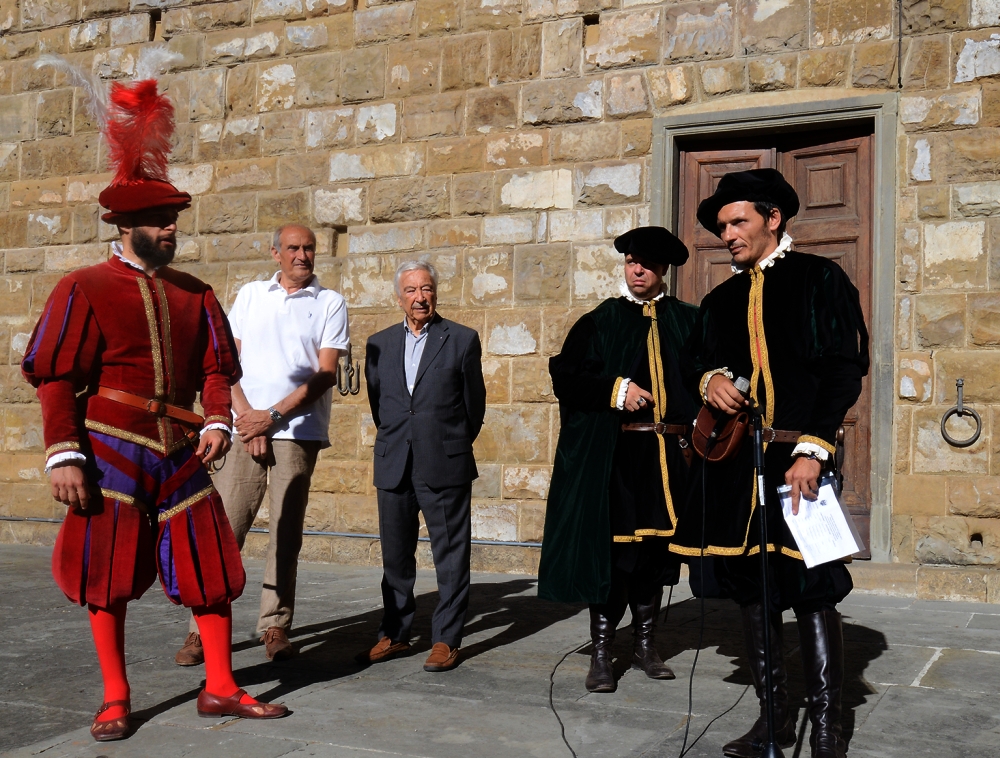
<point>732,430</point>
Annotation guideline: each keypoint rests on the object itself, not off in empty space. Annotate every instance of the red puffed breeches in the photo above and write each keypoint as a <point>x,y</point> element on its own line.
<point>159,516</point>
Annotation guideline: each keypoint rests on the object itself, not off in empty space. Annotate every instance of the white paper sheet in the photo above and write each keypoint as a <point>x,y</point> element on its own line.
<point>822,528</point>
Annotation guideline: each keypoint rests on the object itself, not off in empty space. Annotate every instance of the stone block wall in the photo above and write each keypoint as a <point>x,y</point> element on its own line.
<point>507,141</point>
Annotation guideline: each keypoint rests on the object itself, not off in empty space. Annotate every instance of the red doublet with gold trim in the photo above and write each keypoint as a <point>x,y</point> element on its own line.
<point>163,337</point>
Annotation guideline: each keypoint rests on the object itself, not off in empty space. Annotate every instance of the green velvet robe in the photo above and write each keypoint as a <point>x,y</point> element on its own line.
<point>603,347</point>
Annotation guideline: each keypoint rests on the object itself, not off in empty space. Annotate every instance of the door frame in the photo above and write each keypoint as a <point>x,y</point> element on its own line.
<point>880,111</point>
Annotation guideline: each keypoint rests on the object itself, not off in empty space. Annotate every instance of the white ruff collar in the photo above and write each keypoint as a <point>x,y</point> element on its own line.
<point>116,248</point>
<point>627,294</point>
<point>779,252</point>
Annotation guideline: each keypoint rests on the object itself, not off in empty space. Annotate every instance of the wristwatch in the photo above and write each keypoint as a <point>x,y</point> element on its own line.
<point>275,415</point>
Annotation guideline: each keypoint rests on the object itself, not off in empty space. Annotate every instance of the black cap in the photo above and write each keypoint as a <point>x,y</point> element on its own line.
<point>756,185</point>
<point>654,244</point>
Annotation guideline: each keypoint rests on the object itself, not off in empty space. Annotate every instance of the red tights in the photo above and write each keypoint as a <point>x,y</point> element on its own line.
<point>215,624</point>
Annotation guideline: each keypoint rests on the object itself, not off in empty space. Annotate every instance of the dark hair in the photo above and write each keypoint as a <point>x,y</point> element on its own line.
<point>766,209</point>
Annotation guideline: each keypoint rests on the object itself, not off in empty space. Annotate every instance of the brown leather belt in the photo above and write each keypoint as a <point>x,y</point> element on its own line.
<point>156,407</point>
<point>776,435</point>
<point>658,428</point>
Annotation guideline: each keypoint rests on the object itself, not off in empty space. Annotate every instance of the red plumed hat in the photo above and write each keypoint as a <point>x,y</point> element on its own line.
<point>140,125</point>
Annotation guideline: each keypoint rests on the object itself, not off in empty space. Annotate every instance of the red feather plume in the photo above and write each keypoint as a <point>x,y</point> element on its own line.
<point>139,130</point>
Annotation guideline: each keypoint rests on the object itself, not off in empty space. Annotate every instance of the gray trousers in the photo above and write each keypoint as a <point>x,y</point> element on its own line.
<point>285,475</point>
<point>448,519</point>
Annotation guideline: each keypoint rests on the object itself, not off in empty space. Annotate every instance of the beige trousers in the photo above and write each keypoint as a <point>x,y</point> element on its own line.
<point>242,483</point>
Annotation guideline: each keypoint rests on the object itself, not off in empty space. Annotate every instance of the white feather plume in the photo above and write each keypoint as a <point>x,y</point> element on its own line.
<point>94,90</point>
<point>155,61</point>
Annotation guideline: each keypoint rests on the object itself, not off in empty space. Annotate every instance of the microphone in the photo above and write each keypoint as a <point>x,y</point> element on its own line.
<point>742,385</point>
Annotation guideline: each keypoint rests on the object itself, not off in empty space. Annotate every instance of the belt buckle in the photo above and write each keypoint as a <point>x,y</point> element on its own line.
<point>768,434</point>
<point>157,408</point>
<point>659,427</point>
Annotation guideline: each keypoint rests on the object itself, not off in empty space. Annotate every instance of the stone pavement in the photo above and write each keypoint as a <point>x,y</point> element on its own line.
<point>922,678</point>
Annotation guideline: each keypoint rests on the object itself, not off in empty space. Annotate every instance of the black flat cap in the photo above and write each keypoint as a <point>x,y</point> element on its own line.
<point>654,244</point>
<point>756,185</point>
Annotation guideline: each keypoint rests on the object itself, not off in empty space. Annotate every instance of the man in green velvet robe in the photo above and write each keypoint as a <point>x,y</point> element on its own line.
<point>792,324</point>
<point>621,465</point>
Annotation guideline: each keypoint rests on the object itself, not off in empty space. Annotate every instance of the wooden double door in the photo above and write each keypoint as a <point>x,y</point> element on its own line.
<point>833,174</point>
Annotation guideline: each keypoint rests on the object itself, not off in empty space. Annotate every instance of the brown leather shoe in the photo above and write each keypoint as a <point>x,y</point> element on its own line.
<point>210,706</point>
<point>384,650</point>
<point>276,644</point>
<point>115,729</point>
<point>192,653</point>
<point>442,658</point>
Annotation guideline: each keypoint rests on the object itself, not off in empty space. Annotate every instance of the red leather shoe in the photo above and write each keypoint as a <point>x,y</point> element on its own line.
<point>211,706</point>
<point>115,729</point>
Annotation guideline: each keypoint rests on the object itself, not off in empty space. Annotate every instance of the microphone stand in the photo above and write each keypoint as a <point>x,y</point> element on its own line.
<point>771,749</point>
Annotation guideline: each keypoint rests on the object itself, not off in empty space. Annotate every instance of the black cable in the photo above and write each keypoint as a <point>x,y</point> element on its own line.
<point>709,724</point>
<point>552,677</point>
<point>701,626</point>
<point>552,705</point>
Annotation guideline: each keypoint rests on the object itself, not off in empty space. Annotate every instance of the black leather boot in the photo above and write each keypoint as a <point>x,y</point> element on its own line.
<point>601,677</point>
<point>751,744</point>
<point>644,655</point>
<point>604,620</point>
<point>822,640</point>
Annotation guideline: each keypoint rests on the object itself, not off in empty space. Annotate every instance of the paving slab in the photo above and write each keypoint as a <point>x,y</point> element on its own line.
<point>922,677</point>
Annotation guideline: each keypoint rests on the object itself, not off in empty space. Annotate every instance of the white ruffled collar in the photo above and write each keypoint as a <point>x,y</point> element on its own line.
<point>779,252</point>
<point>118,250</point>
<point>627,294</point>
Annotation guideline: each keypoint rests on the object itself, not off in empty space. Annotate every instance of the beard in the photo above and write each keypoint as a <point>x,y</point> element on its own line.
<point>148,251</point>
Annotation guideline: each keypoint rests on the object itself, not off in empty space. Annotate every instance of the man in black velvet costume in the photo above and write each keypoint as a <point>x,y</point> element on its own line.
<point>620,469</point>
<point>792,324</point>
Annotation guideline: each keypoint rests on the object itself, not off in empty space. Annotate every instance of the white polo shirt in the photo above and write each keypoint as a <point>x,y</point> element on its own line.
<point>280,338</point>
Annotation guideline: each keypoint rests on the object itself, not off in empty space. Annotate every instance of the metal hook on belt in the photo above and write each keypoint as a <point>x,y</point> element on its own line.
<point>348,375</point>
<point>960,410</point>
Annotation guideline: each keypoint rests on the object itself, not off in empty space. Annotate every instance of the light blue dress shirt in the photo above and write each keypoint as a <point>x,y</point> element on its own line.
<point>412,352</point>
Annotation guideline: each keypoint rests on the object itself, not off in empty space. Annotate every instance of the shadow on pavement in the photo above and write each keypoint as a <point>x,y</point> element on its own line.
<point>328,648</point>
<point>724,631</point>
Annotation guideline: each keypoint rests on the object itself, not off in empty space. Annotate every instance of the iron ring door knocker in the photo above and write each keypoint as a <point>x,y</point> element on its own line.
<point>348,375</point>
<point>960,410</point>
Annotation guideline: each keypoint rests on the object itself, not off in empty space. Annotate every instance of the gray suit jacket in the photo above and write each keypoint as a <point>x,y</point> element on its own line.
<point>443,417</point>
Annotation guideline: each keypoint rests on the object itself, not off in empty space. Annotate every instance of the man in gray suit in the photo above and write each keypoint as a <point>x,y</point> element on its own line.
<point>428,400</point>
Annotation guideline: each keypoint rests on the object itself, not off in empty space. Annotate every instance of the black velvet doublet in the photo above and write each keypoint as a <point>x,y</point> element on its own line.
<point>611,503</point>
<point>796,330</point>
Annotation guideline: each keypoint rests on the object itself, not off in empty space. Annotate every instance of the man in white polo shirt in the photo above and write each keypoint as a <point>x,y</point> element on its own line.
<point>290,331</point>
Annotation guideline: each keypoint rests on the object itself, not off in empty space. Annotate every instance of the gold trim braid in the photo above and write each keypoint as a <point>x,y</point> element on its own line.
<point>818,441</point>
<point>168,351</point>
<point>641,534</point>
<point>138,439</point>
<point>614,392</point>
<point>123,498</point>
<point>60,447</point>
<point>113,431</point>
<point>731,551</point>
<point>185,503</point>
<point>154,336</point>
<point>761,367</point>
<point>659,391</point>
<point>120,496</point>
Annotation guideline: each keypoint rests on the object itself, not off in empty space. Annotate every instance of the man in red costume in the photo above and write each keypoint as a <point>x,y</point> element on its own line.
<point>118,357</point>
